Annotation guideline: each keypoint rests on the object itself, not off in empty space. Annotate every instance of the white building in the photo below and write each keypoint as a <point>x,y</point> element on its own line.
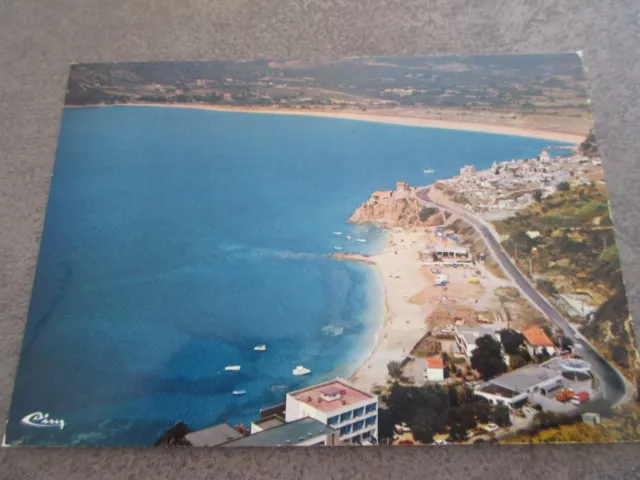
<point>539,384</point>
<point>466,338</point>
<point>338,404</point>
<point>434,371</point>
<point>544,156</point>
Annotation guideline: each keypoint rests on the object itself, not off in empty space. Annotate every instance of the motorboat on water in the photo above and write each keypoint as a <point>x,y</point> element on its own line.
<point>239,392</point>
<point>300,370</point>
<point>348,237</point>
<point>337,233</point>
<point>232,368</point>
<point>361,240</point>
<point>429,170</point>
<point>337,248</point>
<point>260,348</point>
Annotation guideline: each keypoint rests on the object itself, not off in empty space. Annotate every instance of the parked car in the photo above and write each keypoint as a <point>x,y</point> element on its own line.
<point>490,427</point>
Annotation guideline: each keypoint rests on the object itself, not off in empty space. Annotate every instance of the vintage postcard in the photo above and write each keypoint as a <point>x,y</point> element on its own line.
<point>362,251</point>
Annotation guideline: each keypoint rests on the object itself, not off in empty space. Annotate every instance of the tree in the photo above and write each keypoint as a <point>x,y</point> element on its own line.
<point>500,416</point>
<point>511,341</point>
<point>537,195</point>
<point>563,187</point>
<point>483,411</point>
<point>402,401</point>
<point>454,401</point>
<point>566,343</point>
<point>466,394</point>
<point>422,425</point>
<point>542,355</point>
<point>453,415</point>
<point>468,416</point>
<point>519,360</point>
<point>457,433</point>
<point>487,357</point>
<point>426,212</point>
<point>395,369</point>
<point>385,423</point>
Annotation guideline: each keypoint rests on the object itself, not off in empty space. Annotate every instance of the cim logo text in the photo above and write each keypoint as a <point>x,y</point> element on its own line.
<point>42,420</point>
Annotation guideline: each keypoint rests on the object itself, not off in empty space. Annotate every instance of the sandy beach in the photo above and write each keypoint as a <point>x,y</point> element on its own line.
<point>377,117</point>
<point>403,278</point>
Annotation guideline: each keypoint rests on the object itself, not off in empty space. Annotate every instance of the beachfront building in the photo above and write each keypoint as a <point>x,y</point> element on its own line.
<point>434,371</point>
<point>337,404</point>
<point>466,338</point>
<point>304,432</point>
<point>544,385</point>
<point>537,341</point>
<point>451,252</point>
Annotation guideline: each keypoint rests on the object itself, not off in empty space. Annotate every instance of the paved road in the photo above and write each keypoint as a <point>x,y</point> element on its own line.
<point>616,388</point>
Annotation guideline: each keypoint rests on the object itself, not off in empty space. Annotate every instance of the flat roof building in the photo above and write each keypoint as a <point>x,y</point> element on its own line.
<point>305,432</point>
<point>340,405</point>
<point>538,385</point>
<point>466,337</point>
<point>266,423</point>
<point>212,436</point>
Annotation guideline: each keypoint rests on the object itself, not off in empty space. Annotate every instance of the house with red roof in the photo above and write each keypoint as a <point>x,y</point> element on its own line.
<point>434,371</point>
<point>538,341</point>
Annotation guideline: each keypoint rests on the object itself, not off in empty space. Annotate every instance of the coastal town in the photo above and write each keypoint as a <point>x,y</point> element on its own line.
<point>466,354</point>
<point>430,260</point>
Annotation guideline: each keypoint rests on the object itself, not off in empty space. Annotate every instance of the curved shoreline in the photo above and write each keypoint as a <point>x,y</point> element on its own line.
<point>385,317</point>
<point>403,323</point>
<point>371,117</point>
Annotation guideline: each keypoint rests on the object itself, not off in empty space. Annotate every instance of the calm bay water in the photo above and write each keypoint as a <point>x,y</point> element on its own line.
<point>176,240</point>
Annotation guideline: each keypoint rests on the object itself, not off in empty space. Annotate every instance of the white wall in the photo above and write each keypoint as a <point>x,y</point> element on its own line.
<point>434,374</point>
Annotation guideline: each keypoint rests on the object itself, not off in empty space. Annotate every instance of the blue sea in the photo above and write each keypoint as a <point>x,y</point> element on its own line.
<point>176,240</point>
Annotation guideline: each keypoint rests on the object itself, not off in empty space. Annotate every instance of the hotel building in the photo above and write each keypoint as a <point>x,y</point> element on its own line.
<point>339,405</point>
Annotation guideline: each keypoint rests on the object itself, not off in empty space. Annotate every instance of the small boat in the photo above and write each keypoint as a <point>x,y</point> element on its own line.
<point>300,370</point>
<point>239,392</point>
<point>337,233</point>
<point>232,368</point>
<point>260,348</point>
<point>361,240</point>
<point>337,248</point>
<point>429,170</point>
<point>348,237</point>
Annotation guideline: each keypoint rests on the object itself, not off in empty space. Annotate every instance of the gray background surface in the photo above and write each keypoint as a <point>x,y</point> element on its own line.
<point>38,40</point>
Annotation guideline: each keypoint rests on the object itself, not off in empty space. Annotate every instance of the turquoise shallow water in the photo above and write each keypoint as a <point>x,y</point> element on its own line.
<point>177,239</point>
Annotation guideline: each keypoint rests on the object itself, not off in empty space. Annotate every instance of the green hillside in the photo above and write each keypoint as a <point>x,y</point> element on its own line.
<point>573,251</point>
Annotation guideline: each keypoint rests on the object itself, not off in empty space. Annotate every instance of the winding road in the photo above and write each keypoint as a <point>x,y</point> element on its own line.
<point>616,387</point>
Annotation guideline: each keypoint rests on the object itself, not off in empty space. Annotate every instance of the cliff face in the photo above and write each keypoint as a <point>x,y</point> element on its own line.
<point>395,209</point>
